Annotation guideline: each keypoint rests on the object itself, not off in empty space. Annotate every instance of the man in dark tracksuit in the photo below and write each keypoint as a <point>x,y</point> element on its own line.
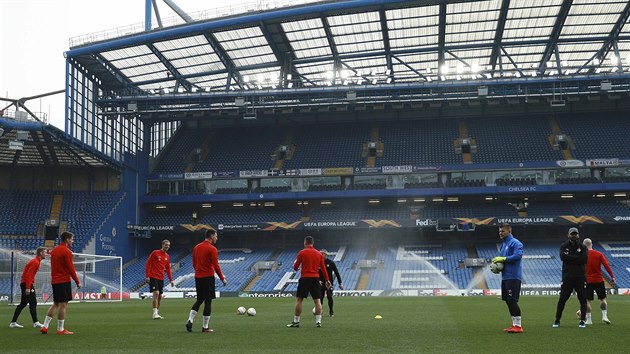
<point>574,256</point>
<point>328,292</point>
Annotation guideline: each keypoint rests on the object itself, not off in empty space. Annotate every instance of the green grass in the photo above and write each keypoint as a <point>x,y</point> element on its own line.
<point>409,324</point>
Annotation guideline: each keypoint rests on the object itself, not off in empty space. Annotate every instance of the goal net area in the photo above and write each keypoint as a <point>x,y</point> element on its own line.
<point>100,278</point>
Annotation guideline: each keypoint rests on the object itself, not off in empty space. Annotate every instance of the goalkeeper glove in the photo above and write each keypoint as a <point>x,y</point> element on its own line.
<point>498,259</point>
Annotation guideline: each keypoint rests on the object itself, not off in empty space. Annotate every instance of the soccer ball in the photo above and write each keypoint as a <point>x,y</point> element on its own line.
<point>578,314</point>
<point>241,310</point>
<point>251,311</point>
<point>496,268</point>
<point>314,311</point>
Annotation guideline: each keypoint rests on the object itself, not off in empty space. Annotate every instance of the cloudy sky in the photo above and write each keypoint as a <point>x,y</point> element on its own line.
<point>34,34</point>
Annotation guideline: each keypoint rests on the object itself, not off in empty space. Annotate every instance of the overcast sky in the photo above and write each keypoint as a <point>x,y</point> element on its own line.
<point>34,34</point>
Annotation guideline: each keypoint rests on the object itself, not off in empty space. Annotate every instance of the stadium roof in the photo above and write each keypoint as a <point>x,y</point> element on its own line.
<point>31,143</point>
<point>362,45</point>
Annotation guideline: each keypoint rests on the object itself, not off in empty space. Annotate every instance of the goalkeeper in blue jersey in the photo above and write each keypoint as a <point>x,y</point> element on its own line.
<point>512,276</point>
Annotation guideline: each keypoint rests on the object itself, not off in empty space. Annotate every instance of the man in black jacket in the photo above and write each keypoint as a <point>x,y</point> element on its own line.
<point>574,256</point>
<point>331,268</point>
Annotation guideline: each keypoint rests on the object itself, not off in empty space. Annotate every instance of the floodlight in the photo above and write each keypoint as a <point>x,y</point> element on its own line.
<point>374,81</point>
<point>330,74</point>
<point>474,68</point>
<point>260,78</point>
<point>428,70</point>
<point>246,78</point>
<point>389,80</point>
<point>444,69</point>
<point>388,72</point>
<point>290,85</point>
<point>344,74</point>
<point>595,61</point>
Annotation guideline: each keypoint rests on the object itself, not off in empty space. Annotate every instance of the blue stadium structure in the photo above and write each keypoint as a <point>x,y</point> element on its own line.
<point>398,133</point>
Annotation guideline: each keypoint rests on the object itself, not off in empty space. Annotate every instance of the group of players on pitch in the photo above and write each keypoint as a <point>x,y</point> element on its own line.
<point>581,272</point>
<point>316,278</point>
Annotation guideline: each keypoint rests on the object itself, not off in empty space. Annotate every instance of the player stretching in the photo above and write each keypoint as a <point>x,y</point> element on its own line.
<point>158,261</point>
<point>595,281</point>
<point>205,258</point>
<point>61,271</point>
<point>311,262</point>
<point>27,285</point>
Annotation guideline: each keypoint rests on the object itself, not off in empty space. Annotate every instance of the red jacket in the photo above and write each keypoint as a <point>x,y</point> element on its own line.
<point>594,267</point>
<point>156,264</point>
<point>61,266</point>
<point>311,261</point>
<point>205,258</point>
<point>28,275</point>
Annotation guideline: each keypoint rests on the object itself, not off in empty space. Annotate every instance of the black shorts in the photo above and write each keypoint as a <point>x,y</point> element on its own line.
<point>205,288</point>
<point>30,297</point>
<point>599,288</point>
<point>510,290</point>
<point>62,292</point>
<point>156,285</point>
<point>309,285</point>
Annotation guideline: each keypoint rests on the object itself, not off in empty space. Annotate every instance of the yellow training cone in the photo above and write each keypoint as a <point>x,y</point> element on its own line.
<point>378,317</point>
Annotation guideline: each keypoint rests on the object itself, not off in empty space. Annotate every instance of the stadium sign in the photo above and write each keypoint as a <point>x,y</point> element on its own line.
<point>310,172</point>
<point>253,173</point>
<point>398,169</point>
<point>224,174</point>
<point>602,162</point>
<point>526,220</point>
<point>325,224</point>
<point>198,175</point>
<point>570,163</point>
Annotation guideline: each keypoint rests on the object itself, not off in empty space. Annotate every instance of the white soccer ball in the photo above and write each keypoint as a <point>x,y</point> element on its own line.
<point>578,314</point>
<point>496,268</point>
<point>251,311</point>
<point>314,311</point>
<point>241,310</point>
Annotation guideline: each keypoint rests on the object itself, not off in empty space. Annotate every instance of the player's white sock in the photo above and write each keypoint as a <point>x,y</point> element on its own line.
<point>589,316</point>
<point>318,318</point>
<point>206,321</point>
<point>60,325</point>
<point>296,319</point>
<point>516,321</point>
<point>191,315</point>
<point>47,321</point>
<point>155,311</point>
<point>604,314</point>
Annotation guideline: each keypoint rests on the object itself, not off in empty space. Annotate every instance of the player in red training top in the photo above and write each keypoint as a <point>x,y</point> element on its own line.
<point>158,262</point>
<point>205,259</point>
<point>595,281</point>
<point>27,285</point>
<point>311,262</point>
<point>61,271</point>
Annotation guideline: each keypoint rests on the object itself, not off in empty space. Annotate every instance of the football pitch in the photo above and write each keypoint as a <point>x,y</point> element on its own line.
<point>408,324</point>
